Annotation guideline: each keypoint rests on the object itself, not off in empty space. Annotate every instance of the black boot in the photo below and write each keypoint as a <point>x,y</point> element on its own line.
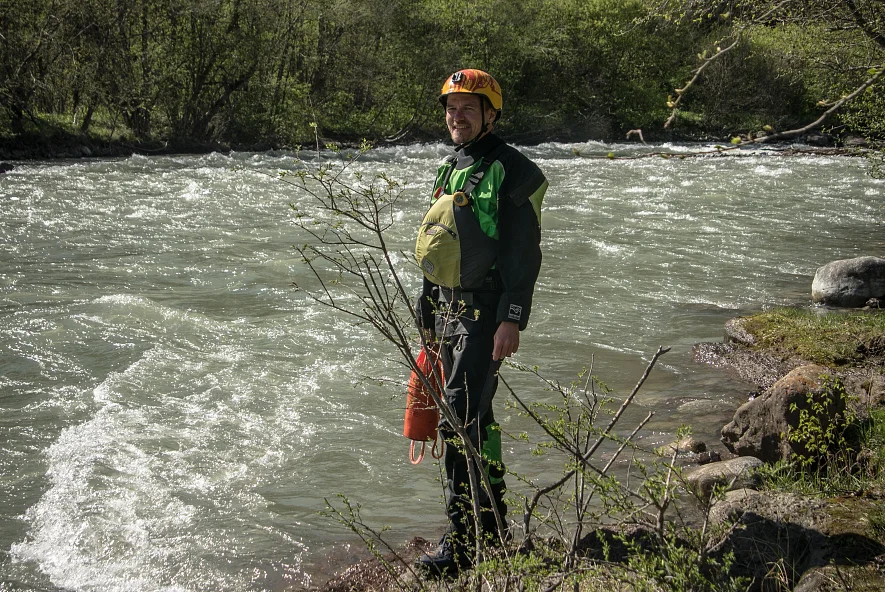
<point>447,559</point>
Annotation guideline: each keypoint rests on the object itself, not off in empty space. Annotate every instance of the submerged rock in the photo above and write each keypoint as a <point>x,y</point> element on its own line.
<point>687,445</point>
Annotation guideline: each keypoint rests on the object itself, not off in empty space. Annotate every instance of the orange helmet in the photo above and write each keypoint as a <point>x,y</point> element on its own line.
<point>474,82</point>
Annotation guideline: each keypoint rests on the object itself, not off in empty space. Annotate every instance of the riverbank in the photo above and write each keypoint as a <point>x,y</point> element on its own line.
<point>59,144</point>
<point>781,536</point>
<point>62,145</point>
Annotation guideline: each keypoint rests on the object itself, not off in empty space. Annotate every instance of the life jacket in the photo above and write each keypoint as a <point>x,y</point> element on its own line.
<point>452,248</point>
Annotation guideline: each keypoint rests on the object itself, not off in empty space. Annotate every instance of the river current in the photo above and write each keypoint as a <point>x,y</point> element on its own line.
<point>173,413</point>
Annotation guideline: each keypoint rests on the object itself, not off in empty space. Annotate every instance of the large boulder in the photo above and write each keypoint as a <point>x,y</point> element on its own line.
<point>762,427</point>
<point>849,282</point>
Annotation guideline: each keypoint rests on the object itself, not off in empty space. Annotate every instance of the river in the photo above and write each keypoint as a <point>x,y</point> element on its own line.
<point>173,413</point>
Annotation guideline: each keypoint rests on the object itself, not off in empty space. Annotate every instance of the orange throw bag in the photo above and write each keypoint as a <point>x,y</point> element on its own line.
<point>422,415</point>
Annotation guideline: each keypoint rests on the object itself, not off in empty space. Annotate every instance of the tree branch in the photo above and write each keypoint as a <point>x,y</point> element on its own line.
<point>876,36</point>
<point>835,107</point>
<point>680,92</point>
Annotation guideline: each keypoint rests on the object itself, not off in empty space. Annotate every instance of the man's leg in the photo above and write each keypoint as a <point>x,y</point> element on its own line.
<point>468,352</point>
<point>471,359</point>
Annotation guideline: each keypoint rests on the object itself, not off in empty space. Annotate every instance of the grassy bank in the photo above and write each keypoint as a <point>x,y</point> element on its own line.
<point>827,337</point>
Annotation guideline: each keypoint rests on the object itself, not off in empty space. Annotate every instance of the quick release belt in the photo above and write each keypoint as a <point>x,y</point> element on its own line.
<point>491,283</point>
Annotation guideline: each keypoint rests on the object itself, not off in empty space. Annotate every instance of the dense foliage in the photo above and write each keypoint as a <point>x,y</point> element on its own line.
<point>262,72</point>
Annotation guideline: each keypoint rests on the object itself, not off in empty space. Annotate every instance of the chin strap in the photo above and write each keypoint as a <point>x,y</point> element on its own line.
<point>483,131</point>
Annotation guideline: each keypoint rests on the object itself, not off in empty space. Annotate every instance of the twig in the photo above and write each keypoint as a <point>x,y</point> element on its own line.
<point>584,458</point>
<point>680,92</point>
<point>835,107</point>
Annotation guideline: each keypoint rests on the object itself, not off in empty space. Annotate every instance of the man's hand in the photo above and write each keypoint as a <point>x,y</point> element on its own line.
<point>506,340</point>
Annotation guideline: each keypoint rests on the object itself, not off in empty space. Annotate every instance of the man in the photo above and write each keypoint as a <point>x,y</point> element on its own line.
<point>477,292</point>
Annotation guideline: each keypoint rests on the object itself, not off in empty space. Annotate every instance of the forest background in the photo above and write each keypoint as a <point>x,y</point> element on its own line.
<point>183,75</point>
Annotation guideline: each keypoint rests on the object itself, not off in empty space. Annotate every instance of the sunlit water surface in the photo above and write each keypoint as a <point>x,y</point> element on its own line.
<point>173,413</point>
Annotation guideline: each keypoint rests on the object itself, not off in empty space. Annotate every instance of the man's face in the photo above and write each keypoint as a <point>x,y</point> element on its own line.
<point>464,116</point>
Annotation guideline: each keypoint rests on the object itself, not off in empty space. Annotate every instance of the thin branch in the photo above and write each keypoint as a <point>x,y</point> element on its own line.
<point>627,441</point>
<point>835,107</point>
<point>680,92</point>
<point>661,351</point>
<point>864,25</point>
<point>583,458</point>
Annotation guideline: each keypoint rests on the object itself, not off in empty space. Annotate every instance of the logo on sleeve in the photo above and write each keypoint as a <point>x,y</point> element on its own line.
<point>515,312</point>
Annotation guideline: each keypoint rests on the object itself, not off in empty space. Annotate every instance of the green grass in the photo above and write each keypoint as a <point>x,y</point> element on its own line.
<point>859,467</point>
<point>824,337</point>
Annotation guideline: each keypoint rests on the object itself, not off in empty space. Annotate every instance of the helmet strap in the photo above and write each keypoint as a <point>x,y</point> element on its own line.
<point>483,130</point>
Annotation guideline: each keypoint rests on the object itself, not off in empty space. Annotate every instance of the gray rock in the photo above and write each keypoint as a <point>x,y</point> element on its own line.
<point>686,445</point>
<point>819,140</point>
<point>814,580</point>
<point>738,496</point>
<point>849,282</point>
<point>735,473</point>
<point>790,542</point>
<point>732,505</point>
<point>761,427</point>
<point>708,456</point>
<point>735,332</point>
<point>774,540</point>
<point>855,142</point>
